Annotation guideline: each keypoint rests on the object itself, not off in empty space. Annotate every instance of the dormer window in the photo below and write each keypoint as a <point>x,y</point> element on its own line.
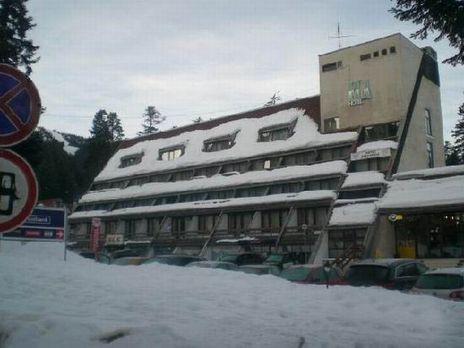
<point>131,160</point>
<point>277,132</point>
<point>171,153</point>
<point>219,143</point>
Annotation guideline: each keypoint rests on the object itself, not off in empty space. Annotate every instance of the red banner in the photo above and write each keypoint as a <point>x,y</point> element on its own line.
<point>95,234</point>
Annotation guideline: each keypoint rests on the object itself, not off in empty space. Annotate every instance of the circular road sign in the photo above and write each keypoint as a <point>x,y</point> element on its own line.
<point>18,190</point>
<point>19,106</point>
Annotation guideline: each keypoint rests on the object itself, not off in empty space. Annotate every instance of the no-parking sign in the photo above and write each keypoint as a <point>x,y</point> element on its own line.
<point>18,190</point>
<point>19,106</point>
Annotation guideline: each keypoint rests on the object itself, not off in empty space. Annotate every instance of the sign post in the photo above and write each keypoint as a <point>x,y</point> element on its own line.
<point>95,235</point>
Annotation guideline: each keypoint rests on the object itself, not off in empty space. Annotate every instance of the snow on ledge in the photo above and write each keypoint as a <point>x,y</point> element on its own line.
<point>363,179</point>
<point>218,181</point>
<point>353,214</point>
<point>430,172</point>
<point>244,239</point>
<point>213,204</point>
<point>378,145</point>
<point>415,193</point>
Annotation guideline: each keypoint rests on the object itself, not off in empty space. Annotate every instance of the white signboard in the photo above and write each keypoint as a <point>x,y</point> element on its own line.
<point>371,154</point>
<point>114,239</point>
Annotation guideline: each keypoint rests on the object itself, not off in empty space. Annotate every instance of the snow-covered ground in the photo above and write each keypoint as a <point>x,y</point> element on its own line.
<point>48,303</point>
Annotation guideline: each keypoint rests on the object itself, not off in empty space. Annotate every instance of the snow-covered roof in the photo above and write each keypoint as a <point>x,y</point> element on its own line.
<point>213,204</point>
<point>415,193</point>
<point>218,181</point>
<point>431,172</point>
<point>305,135</point>
<point>353,214</point>
<point>363,179</point>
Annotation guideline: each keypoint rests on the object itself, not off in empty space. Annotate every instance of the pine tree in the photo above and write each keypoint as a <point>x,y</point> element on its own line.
<point>151,119</point>
<point>443,16</point>
<point>100,125</point>
<point>115,130</point>
<point>458,134</point>
<point>15,48</point>
<point>451,154</point>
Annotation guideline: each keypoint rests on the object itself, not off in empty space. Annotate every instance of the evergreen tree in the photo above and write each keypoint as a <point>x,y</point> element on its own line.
<point>115,130</point>
<point>458,135</point>
<point>15,48</point>
<point>451,154</point>
<point>446,17</point>
<point>100,125</point>
<point>151,119</point>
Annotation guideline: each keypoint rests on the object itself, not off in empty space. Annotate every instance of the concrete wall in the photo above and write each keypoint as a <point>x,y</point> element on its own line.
<point>386,78</point>
<point>383,244</point>
<point>414,154</point>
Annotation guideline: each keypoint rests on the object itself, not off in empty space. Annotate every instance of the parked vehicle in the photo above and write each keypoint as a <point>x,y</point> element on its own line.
<point>282,260</point>
<point>260,269</point>
<point>214,264</point>
<point>447,283</point>
<point>398,274</point>
<point>243,258</point>
<point>129,260</point>
<point>175,260</point>
<point>313,274</point>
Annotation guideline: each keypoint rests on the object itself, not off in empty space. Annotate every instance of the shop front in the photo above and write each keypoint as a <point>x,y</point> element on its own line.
<point>430,235</point>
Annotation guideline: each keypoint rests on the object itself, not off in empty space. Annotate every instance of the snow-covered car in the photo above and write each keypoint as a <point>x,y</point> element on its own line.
<point>397,274</point>
<point>313,274</point>
<point>260,269</point>
<point>241,259</point>
<point>447,283</point>
<point>283,260</point>
<point>214,264</point>
<point>174,260</point>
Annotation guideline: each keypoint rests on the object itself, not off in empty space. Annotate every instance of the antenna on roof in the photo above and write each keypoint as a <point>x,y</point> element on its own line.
<point>339,35</point>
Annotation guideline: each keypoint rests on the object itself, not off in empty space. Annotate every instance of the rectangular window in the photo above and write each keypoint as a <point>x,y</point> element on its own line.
<point>365,56</point>
<point>206,223</point>
<point>131,160</point>
<point>392,49</point>
<point>331,124</point>
<point>178,225</point>
<point>329,67</point>
<point>239,222</point>
<point>376,53</point>
<point>429,147</point>
<point>153,226</point>
<point>272,220</point>
<point>219,143</point>
<point>172,153</point>
<point>341,240</point>
<point>384,52</point>
<point>130,227</point>
<point>277,132</point>
<point>111,227</point>
<point>428,122</point>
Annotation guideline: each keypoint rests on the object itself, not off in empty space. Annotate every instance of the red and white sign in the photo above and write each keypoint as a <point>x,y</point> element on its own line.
<point>18,190</point>
<point>19,106</point>
<point>95,234</point>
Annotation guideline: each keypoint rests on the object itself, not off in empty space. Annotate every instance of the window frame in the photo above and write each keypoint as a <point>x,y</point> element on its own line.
<point>273,130</point>
<point>171,150</point>
<point>428,122</point>
<point>130,160</point>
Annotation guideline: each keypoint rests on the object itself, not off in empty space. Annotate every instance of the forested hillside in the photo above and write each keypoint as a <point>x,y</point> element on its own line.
<point>65,164</point>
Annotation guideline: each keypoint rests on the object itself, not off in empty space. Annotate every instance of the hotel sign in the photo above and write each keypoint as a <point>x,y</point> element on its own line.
<point>357,156</point>
<point>358,91</point>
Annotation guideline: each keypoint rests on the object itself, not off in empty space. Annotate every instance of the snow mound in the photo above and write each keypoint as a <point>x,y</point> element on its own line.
<point>80,303</point>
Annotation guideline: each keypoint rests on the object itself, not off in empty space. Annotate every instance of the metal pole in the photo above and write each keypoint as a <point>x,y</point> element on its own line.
<point>65,231</point>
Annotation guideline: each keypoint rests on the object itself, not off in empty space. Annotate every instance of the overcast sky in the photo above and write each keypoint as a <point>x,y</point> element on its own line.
<point>198,58</point>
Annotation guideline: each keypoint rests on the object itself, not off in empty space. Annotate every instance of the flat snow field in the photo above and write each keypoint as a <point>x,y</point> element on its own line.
<point>45,302</point>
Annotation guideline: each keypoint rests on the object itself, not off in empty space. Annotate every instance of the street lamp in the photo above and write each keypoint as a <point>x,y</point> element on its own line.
<point>327,269</point>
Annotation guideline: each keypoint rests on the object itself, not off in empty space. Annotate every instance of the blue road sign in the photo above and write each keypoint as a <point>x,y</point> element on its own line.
<point>43,223</point>
<point>19,106</point>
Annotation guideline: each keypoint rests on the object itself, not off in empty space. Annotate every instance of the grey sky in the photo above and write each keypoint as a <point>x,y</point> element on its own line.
<point>198,58</point>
